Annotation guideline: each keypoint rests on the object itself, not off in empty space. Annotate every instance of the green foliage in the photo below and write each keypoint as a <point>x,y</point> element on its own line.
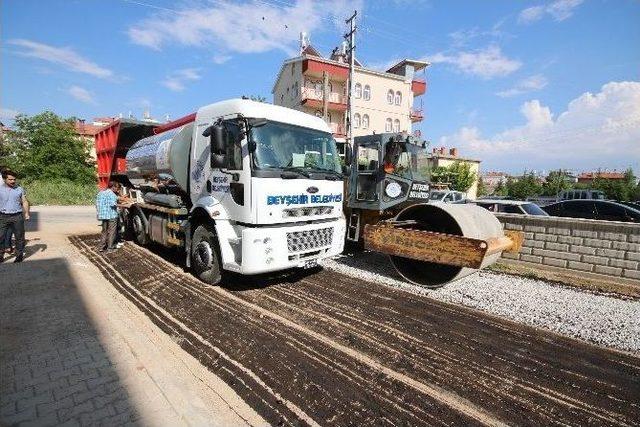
<point>60,192</point>
<point>256,98</point>
<point>482,189</point>
<point>555,182</point>
<point>526,186</point>
<point>501,188</point>
<point>458,176</point>
<point>46,147</point>
<point>625,189</point>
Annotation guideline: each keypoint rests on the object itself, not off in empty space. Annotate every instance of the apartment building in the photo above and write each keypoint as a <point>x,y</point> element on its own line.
<point>382,101</point>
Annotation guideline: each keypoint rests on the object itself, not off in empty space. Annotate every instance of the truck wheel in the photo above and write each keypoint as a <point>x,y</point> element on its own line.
<point>138,229</point>
<point>204,255</point>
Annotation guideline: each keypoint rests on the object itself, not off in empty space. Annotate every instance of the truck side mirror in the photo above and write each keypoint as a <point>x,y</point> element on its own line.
<point>217,134</point>
<point>348,155</point>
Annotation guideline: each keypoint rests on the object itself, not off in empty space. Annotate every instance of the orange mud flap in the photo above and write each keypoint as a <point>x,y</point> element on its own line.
<point>448,249</point>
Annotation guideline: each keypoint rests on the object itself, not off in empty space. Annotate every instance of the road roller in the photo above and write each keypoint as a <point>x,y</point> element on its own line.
<point>388,211</point>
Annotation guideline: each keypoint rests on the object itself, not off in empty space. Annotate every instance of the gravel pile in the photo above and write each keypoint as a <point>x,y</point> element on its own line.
<point>600,319</point>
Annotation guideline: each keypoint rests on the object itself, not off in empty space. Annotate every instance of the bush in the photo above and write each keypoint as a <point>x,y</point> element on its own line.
<point>60,192</point>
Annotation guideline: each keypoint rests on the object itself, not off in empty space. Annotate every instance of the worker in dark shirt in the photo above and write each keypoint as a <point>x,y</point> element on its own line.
<point>14,211</point>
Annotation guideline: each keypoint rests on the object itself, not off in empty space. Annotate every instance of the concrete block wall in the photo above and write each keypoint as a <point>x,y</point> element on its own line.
<point>602,247</point>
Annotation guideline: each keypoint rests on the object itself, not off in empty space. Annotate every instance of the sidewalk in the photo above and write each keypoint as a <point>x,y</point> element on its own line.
<point>73,351</point>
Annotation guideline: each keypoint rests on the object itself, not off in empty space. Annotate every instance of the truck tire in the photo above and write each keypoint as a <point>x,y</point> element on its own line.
<point>205,258</point>
<point>138,227</point>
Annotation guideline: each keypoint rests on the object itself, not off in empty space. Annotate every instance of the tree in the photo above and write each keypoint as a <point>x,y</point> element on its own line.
<point>458,176</point>
<point>555,182</point>
<point>462,178</point>
<point>616,189</point>
<point>46,147</point>
<point>482,189</point>
<point>256,98</point>
<point>527,186</point>
<point>501,188</point>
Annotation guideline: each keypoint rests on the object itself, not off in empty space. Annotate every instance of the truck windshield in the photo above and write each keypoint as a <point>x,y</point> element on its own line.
<point>284,146</point>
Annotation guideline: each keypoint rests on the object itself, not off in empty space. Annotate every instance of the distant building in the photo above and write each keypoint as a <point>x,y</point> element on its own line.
<point>88,131</point>
<point>492,179</point>
<point>588,177</point>
<point>382,100</point>
<point>445,158</point>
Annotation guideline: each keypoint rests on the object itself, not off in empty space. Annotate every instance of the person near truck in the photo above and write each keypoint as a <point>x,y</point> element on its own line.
<point>14,211</point>
<point>107,208</point>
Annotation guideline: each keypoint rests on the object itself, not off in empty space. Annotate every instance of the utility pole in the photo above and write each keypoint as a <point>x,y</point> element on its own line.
<point>351,36</point>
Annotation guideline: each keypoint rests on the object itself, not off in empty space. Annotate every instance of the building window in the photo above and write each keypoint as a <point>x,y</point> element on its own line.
<point>358,90</point>
<point>390,97</point>
<point>282,99</point>
<point>396,125</point>
<point>388,125</point>
<point>295,89</point>
<point>366,94</point>
<point>318,90</point>
<point>365,121</point>
<point>330,87</point>
<point>398,98</point>
<point>356,121</point>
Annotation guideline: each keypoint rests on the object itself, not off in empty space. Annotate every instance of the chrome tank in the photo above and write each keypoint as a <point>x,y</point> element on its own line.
<point>163,157</point>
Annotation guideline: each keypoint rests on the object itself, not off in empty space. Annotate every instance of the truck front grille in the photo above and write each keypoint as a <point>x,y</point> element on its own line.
<point>301,241</point>
<point>307,211</point>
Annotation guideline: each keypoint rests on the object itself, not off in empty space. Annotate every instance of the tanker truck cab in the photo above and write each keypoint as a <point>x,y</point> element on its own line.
<point>263,191</point>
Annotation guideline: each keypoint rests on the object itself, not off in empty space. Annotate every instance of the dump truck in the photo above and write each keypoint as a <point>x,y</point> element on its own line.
<point>238,186</point>
<point>388,210</point>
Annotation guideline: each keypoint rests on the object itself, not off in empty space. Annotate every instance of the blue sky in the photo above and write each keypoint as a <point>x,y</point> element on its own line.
<point>520,85</point>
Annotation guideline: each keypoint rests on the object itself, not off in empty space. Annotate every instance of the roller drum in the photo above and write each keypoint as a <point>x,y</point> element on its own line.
<point>463,220</point>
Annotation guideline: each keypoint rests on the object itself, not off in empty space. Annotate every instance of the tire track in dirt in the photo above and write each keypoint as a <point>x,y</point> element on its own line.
<point>560,388</point>
<point>246,339</point>
<point>523,395</point>
<point>350,352</point>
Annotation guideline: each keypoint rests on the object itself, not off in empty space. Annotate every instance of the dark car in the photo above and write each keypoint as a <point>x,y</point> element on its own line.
<point>594,209</point>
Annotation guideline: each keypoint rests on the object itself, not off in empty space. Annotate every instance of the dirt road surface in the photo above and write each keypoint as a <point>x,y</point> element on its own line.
<point>327,349</point>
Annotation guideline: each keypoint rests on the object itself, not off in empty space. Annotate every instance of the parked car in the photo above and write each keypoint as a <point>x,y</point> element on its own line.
<point>447,196</point>
<point>594,209</point>
<point>511,206</point>
<point>567,195</point>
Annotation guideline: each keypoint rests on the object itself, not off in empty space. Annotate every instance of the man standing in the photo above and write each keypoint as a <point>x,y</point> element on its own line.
<point>14,211</point>
<point>107,207</point>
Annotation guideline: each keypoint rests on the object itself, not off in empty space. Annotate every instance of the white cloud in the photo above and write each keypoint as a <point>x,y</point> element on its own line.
<point>7,115</point>
<point>599,130</point>
<point>177,80</point>
<point>486,63</point>
<point>558,10</point>
<point>81,94</point>
<point>527,85</point>
<point>247,27</point>
<point>63,56</point>
<point>220,59</point>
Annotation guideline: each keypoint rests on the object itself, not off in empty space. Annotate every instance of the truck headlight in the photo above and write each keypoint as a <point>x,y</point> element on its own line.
<point>393,190</point>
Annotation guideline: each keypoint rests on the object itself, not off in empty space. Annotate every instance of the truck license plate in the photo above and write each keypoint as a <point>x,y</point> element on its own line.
<point>310,264</point>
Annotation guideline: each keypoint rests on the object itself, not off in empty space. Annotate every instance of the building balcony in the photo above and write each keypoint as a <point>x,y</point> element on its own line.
<point>316,68</point>
<point>338,129</point>
<point>313,99</point>
<point>419,87</point>
<point>416,116</point>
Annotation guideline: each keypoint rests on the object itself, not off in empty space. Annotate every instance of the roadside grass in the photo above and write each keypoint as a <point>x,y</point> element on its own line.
<point>60,192</point>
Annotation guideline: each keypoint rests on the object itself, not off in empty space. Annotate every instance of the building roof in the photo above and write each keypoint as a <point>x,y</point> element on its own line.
<point>357,68</point>
<point>87,129</point>
<point>450,157</point>
<point>417,65</point>
<point>604,175</point>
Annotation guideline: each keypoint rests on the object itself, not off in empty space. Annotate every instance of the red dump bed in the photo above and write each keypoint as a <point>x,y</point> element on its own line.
<point>113,142</point>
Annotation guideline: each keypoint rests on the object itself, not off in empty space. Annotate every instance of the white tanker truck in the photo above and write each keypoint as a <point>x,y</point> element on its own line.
<point>240,185</point>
